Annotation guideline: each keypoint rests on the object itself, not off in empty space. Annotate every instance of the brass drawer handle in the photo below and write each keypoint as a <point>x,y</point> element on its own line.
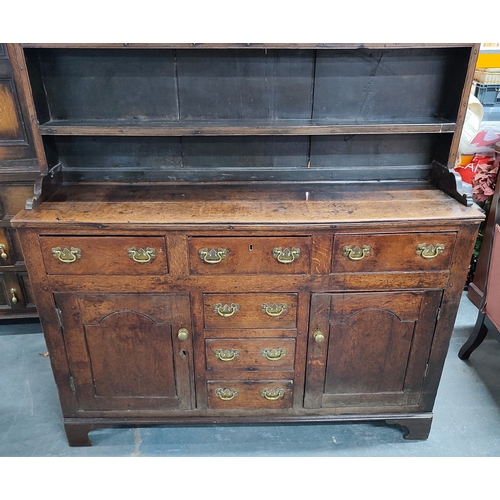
<point>226,354</point>
<point>142,256</point>
<point>285,255</point>
<point>13,298</point>
<point>272,394</point>
<point>226,310</point>
<point>430,251</point>
<point>212,256</point>
<point>68,255</point>
<point>356,253</point>
<point>226,394</point>
<point>274,309</point>
<point>273,354</point>
<point>3,254</point>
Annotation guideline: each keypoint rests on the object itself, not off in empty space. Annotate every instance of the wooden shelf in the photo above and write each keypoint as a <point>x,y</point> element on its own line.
<point>241,127</point>
<point>348,46</point>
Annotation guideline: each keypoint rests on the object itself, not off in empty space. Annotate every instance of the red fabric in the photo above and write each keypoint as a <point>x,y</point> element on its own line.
<point>492,305</point>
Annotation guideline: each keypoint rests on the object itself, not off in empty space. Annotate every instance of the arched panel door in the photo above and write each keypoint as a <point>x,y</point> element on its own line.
<point>128,351</point>
<point>369,349</point>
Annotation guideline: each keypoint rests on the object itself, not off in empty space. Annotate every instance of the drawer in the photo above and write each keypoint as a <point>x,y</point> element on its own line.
<point>250,255</point>
<point>250,354</point>
<point>10,247</point>
<point>250,310</point>
<point>16,294</point>
<point>262,394</point>
<point>392,252</point>
<point>104,255</point>
<point>6,257</point>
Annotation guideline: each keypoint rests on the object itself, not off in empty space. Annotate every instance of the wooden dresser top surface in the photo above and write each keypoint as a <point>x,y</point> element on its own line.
<point>245,205</point>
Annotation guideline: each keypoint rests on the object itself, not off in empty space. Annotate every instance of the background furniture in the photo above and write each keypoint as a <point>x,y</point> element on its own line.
<point>19,169</point>
<point>248,233</point>
<point>476,287</point>
<point>488,319</point>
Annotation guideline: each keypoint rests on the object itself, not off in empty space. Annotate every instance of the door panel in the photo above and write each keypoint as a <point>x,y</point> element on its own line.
<point>366,358</point>
<point>124,352</point>
<point>375,348</point>
<point>142,343</point>
<point>15,137</point>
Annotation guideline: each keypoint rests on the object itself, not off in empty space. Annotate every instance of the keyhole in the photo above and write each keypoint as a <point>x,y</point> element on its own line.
<point>250,247</point>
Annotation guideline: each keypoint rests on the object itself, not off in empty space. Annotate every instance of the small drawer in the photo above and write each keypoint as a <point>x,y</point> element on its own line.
<point>250,354</point>
<point>250,310</point>
<point>6,257</point>
<point>392,252</point>
<point>254,255</point>
<point>262,394</point>
<point>104,255</point>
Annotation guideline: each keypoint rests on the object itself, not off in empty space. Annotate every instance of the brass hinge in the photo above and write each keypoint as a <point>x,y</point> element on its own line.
<point>59,317</point>
<point>72,384</point>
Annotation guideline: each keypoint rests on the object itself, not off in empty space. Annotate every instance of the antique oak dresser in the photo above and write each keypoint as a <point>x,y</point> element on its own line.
<point>247,233</point>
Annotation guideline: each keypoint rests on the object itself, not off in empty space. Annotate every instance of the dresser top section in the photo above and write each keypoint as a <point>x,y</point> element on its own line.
<point>242,45</point>
<point>279,205</point>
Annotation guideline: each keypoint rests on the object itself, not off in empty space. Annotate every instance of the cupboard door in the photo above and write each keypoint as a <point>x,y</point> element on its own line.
<point>128,351</point>
<point>369,349</point>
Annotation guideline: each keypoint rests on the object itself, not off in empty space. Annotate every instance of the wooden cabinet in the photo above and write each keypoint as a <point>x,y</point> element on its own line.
<point>248,234</point>
<point>19,168</point>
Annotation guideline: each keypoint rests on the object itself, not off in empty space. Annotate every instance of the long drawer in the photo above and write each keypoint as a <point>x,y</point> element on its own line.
<point>105,255</point>
<point>393,252</point>
<point>249,255</point>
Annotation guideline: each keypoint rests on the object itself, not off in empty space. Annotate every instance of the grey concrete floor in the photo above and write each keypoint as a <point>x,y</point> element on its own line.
<point>466,415</point>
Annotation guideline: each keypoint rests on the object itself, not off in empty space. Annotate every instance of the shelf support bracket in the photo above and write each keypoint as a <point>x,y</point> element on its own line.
<point>451,183</point>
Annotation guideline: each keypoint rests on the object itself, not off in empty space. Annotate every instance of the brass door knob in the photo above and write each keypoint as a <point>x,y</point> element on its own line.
<point>183,334</point>
<point>13,297</point>
<point>3,254</point>
<point>318,336</point>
